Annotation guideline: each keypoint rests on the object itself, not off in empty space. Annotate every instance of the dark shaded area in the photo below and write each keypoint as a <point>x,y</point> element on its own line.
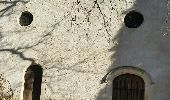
<point>128,40</point>
<point>128,87</point>
<point>37,82</point>
<point>133,19</point>
<point>33,80</point>
<point>11,4</point>
<point>26,18</point>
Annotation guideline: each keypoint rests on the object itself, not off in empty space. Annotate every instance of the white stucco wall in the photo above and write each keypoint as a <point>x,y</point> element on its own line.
<point>78,42</point>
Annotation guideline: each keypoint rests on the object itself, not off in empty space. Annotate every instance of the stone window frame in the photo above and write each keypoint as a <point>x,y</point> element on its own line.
<point>130,70</point>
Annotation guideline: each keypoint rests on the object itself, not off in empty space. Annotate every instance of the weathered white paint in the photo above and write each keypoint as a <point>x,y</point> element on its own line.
<point>78,42</point>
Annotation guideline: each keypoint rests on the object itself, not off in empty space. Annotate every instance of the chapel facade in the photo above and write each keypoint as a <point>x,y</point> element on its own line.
<point>84,50</point>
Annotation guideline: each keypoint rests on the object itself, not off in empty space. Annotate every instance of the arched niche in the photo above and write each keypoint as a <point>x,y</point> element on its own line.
<point>132,71</point>
<point>33,80</point>
<point>128,87</point>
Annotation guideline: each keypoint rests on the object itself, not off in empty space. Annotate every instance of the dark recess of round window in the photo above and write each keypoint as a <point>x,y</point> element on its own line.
<point>133,19</point>
<point>26,18</point>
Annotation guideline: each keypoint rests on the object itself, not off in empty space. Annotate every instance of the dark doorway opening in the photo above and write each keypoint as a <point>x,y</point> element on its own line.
<point>128,87</point>
<point>26,18</point>
<point>32,85</point>
<point>133,19</point>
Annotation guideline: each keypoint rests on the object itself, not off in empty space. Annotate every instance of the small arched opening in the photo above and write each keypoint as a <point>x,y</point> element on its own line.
<point>128,87</point>
<point>127,80</point>
<point>32,85</point>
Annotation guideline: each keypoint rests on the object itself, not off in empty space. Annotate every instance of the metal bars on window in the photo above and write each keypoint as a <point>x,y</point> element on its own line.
<point>128,87</point>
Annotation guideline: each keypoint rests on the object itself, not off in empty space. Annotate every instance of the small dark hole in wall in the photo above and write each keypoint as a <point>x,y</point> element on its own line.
<point>32,85</point>
<point>133,19</point>
<point>26,18</point>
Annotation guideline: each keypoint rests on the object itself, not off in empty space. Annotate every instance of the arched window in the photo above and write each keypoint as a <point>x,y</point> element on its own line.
<point>32,85</point>
<point>128,87</point>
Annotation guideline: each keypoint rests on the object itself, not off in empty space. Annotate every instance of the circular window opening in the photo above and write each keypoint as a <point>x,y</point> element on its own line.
<point>133,19</point>
<point>26,18</point>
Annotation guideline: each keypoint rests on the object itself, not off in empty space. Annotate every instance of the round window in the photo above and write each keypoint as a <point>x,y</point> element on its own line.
<point>26,18</point>
<point>133,19</point>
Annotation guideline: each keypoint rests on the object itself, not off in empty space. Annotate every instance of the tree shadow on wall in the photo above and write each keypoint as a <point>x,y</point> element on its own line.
<point>10,4</point>
<point>126,39</point>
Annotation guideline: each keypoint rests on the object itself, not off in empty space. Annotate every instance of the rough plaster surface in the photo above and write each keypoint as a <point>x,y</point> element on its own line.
<point>78,42</point>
